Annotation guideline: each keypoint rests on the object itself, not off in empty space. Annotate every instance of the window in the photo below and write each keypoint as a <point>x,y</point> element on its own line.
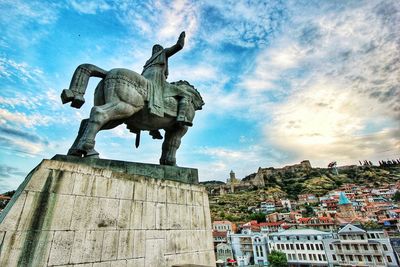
<point>389,259</point>
<point>351,257</point>
<point>334,257</point>
<point>297,246</point>
<point>323,257</point>
<point>308,246</point>
<point>300,257</point>
<point>302,246</point>
<point>379,258</point>
<point>369,259</point>
<point>319,257</point>
<point>312,247</point>
<point>291,246</point>
<point>385,247</point>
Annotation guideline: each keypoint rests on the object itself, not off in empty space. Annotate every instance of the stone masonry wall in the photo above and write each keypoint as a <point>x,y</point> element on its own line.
<point>67,214</point>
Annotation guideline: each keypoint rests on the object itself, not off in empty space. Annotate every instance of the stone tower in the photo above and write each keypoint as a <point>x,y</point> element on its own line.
<point>232,181</point>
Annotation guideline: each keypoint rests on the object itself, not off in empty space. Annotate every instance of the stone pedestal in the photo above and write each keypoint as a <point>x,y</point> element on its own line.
<point>92,212</point>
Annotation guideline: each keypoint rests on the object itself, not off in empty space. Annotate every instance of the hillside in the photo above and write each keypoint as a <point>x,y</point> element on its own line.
<point>289,184</point>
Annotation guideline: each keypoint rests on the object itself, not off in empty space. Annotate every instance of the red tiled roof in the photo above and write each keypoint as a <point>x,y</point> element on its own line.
<point>219,233</point>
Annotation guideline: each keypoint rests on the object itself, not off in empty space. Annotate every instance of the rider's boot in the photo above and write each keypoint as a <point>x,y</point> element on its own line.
<point>181,118</point>
<point>155,134</point>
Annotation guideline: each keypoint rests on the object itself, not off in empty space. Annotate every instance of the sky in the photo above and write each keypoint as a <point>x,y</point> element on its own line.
<point>282,81</point>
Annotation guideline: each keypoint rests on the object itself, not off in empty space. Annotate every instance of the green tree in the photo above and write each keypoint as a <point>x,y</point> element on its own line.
<point>396,196</point>
<point>371,225</point>
<point>259,217</point>
<point>277,259</point>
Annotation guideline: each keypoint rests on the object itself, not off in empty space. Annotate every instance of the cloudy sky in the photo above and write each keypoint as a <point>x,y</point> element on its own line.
<point>282,81</point>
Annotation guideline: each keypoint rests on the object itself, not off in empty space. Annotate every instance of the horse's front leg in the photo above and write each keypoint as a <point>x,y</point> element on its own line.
<point>171,143</point>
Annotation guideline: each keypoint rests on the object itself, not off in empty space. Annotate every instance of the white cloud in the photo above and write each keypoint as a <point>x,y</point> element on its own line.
<point>343,106</point>
<point>90,6</point>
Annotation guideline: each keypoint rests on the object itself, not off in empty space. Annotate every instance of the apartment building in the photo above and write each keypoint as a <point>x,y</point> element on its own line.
<point>353,246</point>
<point>303,247</point>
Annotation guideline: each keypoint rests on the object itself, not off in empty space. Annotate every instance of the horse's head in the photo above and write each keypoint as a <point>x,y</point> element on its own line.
<point>197,100</point>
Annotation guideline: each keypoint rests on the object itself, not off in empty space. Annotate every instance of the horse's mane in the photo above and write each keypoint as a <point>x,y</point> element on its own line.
<point>191,87</point>
<point>183,82</point>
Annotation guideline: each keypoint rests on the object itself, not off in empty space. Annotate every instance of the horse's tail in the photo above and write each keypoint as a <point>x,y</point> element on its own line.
<point>79,83</point>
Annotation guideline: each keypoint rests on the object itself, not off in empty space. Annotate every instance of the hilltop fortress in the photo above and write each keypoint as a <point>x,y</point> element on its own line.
<point>254,180</point>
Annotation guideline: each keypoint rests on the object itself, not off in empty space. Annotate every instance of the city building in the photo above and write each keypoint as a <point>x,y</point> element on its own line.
<point>267,206</point>
<point>303,247</point>
<point>354,246</point>
<point>224,226</point>
<point>224,252</point>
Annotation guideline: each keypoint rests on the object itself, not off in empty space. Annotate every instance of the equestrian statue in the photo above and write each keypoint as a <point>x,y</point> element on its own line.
<point>145,102</point>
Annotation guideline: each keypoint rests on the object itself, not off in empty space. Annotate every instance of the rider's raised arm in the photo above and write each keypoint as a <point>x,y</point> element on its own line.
<point>178,46</point>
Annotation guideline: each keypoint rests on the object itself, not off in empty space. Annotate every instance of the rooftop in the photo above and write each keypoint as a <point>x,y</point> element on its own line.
<point>300,232</point>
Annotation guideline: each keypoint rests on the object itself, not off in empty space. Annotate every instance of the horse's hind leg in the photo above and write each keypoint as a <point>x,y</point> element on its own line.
<point>100,116</point>
<point>73,151</point>
<point>171,144</point>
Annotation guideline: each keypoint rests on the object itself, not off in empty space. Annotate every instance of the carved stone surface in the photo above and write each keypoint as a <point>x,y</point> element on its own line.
<point>73,214</point>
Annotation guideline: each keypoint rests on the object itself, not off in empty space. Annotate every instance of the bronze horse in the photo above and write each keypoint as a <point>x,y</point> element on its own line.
<point>122,96</point>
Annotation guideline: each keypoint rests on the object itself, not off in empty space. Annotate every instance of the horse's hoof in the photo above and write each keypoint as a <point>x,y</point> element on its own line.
<point>92,154</point>
<point>78,101</point>
<point>67,96</point>
<point>167,162</point>
<point>75,152</point>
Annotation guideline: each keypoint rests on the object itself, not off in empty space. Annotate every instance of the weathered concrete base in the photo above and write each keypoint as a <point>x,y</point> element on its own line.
<point>70,214</point>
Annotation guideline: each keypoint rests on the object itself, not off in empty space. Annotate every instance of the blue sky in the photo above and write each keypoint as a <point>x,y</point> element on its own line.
<point>282,81</point>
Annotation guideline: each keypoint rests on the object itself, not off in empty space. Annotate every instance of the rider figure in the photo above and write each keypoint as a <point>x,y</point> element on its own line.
<point>156,70</point>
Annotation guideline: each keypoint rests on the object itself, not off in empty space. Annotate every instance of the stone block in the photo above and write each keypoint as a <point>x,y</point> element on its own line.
<point>126,244</point>
<point>171,194</point>
<point>162,193</point>
<point>110,245</point>
<point>78,247</point>
<point>62,182</point>
<point>85,213</point>
<point>149,215</point>
<point>139,190</point>
<point>104,187</point>
<point>11,248</point>
<point>135,262</point>
<point>119,263</point>
<point>125,189</point>
<point>108,213</point>
<point>102,264</point>
<point>61,247</point>
<point>124,214</point>
<point>139,246</point>
<point>62,213</point>
<point>155,251</point>
<point>38,180</point>
<point>92,246</point>
<point>136,215</point>
<point>151,191</point>
<point>13,219</point>
<point>184,221</point>
<point>161,216</point>
<point>83,185</point>
<point>174,220</point>
<point>181,196</point>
